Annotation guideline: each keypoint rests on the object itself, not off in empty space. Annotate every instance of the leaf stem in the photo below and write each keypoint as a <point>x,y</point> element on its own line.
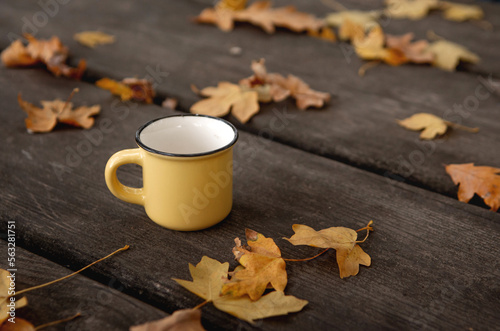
<point>201,304</point>
<point>307,258</point>
<point>368,228</point>
<point>462,127</point>
<point>75,90</point>
<point>73,274</point>
<point>335,5</point>
<point>362,70</point>
<point>57,322</point>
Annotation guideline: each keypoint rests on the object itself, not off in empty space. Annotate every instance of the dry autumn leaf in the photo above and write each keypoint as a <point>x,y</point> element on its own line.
<point>371,47</point>
<point>431,125</point>
<point>208,278</point>
<point>343,240</point>
<point>261,14</point>
<point>45,119</point>
<point>449,54</point>
<point>232,4</point>
<point>412,9</point>
<point>365,19</point>
<point>481,180</point>
<point>129,88</point>
<point>459,12</point>
<point>180,320</point>
<point>273,86</point>
<point>50,52</point>
<point>263,265</point>
<point>416,52</point>
<point>93,38</point>
<point>223,98</point>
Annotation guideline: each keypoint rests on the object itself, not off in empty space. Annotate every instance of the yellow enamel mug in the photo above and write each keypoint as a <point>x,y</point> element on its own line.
<point>187,171</point>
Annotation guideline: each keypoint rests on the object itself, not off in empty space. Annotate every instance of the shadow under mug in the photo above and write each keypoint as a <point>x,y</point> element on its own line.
<point>187,171</point>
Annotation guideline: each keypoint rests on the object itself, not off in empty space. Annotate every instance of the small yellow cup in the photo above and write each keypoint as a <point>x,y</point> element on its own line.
<point>187,170</point>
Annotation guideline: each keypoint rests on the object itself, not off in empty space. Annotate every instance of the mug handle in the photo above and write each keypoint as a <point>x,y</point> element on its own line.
<point>125,193</point>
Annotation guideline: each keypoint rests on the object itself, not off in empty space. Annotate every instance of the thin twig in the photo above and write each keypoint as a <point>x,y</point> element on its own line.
<point>307,258</point>
<point>73,274</point>
<point>57,322</point>
<point>75,90</point>
<point>362,70</point>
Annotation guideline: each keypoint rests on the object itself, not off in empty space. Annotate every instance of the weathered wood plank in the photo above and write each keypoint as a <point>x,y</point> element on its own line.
<point>357,127</point>
<point>103,307</point>
<point>434,258</point>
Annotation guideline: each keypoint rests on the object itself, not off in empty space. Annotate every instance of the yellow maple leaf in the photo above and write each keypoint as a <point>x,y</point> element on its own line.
<point>431,125</point>
<point>365,19</point>
<point>93,38</point>
<point>223,98</point>
<point>262,264</point>
<point>372,47</point>
<point>349,254</point>
<point>448,54</point>
<point>459,12</point>
<point>483,181</point>
<point>208,278</point>
<point>412,9</point>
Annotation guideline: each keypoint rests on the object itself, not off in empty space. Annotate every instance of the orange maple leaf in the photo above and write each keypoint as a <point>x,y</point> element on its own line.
<point>482,180</point>
<point>45,119</point>
<point>51,52</point>
<point>262,264</point>
<point>261,14</point>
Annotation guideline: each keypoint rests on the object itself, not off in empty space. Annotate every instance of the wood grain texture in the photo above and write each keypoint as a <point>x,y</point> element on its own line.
<point>435,261</point>
<point>357,127</point>
<point>103,307</point>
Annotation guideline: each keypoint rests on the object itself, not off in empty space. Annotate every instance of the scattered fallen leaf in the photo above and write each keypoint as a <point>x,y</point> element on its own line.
<point>459,12</point>
<point>349,254</point>
<point>412,9</point>
<point>169,103</point>
<point>20,325</point>
<point>280,87</point>
<point>50,52</point>
<point>481,180</point>
<point>45,119</point>
<point>93,38</point>
<point>261,14</point>
<point>431,125</point>
<point>180,320</point>
<point>223,98</point>
<point>449,54</point>
<point>416,52</point>
<point>129,88</point>
<point>262,264</point>
<point>365,19</point>
<point>275,303</point>
<point>371,47</point>
<point>208,278</point>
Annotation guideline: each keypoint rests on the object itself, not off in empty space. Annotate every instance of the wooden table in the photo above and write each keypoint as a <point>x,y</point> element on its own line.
<point>435,259</point>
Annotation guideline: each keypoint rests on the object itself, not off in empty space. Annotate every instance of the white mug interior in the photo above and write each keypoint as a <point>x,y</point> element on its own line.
<point>187,135</point>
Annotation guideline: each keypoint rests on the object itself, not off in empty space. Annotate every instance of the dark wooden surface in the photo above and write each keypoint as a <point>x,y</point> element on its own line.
<point>357,127</point>
<point>102,306</point>
<point>435,261</point>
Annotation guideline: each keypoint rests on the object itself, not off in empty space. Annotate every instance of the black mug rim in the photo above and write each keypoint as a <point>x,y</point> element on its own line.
<point>155,151</point>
